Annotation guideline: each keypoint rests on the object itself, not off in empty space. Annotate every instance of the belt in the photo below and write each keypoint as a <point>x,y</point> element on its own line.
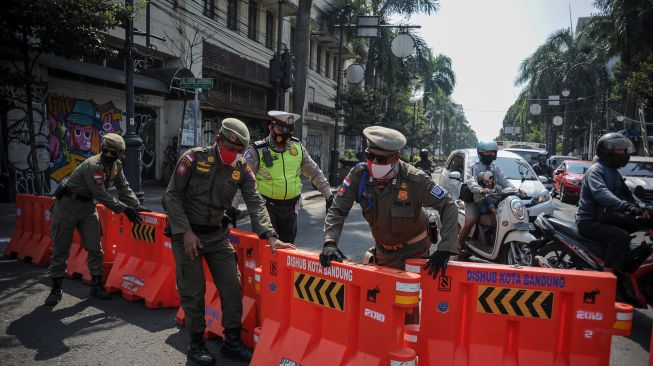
<point>288,202</point>
<point>78,197</point>
<point>395,247</point>
<point>204,229</point>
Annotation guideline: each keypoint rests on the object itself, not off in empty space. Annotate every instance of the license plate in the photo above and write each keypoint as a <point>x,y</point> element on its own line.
<point>524,226</point>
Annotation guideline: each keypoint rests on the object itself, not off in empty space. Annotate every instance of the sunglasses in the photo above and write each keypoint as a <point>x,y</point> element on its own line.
<point>282,128</point>
<point>111,152</point>
<point>381,159</point>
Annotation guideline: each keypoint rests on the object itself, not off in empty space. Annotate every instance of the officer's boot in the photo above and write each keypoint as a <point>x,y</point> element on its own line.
<point>97,290</point>
<point>233,346</point>
<point>198,352</point>
<point>55,294</point>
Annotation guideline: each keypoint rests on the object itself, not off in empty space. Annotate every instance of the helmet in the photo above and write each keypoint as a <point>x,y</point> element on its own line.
<point>424,154</point>
<point>484,146</point>
<point>607,146</point>
<point>483,176</point>
<point>542,156</point>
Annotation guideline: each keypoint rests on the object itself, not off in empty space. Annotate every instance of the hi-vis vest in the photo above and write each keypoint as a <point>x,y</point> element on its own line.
<point>285,171</point>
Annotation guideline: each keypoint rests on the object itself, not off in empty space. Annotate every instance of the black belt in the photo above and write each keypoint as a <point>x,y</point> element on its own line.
<point>204,229</point>
<point>288,202</point>
<point>78,197</point>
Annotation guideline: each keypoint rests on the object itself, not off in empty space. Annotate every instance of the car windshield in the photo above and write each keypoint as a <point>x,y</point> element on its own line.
<point>529,156</point>
<point>577,168</point>
<point>637,169</point>
<point>512,168</point>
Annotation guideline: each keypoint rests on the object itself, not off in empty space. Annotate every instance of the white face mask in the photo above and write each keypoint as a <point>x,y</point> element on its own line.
<point>379,171</point>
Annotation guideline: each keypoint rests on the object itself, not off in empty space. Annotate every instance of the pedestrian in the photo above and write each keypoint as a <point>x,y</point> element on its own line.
<point>75,207</point>
<point>392,195</point>
<point>203,186</point>
<point>424,163</point>
<point>278,162</point>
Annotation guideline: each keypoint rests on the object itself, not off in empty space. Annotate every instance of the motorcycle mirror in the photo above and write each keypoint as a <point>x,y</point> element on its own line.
<point>640,192</point>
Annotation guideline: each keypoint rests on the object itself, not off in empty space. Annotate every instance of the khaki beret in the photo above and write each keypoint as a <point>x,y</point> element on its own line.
<point>113,141</point>
<point>235,131</point>
<point>384,138</point>
<point>285,117</point>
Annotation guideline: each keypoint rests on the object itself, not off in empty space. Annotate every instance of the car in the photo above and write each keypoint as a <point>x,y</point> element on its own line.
<point>639,172</point>
<point>530,155</point>
<point>514,167</point>
<point>568,177</point>
<point>554,161</point>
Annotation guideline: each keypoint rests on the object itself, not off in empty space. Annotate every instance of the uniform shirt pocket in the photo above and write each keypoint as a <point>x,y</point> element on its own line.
<point>403,216</point>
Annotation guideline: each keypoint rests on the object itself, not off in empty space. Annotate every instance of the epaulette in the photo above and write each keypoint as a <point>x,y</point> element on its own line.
<point>295,139</point>
<point>259,144</point>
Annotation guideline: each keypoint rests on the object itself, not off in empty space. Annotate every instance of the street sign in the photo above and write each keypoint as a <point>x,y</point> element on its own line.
<point>557,121</point>
<point>554,100</point>
<point>536,109</point>
<point>192,83</point>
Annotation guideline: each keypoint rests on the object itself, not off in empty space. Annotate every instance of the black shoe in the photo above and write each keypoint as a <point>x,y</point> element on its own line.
<point>97,290</point>
<point>233,346</point>
<point>198,353</point>
<point>56,292</point>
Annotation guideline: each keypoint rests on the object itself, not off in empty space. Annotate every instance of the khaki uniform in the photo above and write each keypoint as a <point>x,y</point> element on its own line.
<point>86,185</point>
<point>396,214</point>
<point>199,191</point>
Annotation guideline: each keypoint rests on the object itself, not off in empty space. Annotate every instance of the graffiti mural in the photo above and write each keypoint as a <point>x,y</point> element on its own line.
<point>76,128</point>
<point>146,127</point>
<point>16,139</point>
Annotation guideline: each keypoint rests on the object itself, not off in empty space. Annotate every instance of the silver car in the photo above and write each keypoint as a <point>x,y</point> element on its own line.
<point>639,172</point>
<point>514,168</point>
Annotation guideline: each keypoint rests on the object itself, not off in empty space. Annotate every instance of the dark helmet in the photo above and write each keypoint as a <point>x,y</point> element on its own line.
<point>424,154</point>
<point>542,156</point>
<point>484,146</point>
<point>607,146</point>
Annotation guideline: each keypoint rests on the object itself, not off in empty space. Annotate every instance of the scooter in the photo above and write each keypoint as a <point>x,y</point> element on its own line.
<point>562,247</point>
<point>509,241</point>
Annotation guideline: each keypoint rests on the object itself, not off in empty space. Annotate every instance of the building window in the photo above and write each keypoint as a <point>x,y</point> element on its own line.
<point>232,14</point>
<point>318,64</point>
<point>252,16</point>
<point>209,8</point>
<point>327,65</point>
<point>269,30</point>
<point>292,40</point>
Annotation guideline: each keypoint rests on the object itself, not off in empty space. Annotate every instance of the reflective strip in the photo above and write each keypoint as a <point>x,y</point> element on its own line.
<point>257,277</point>
<point>402,363</point>
<point>255,338</point>
<point>622,325</point>
<point>624,316</point>
<point>407,287</point>
<point>407,300</point>
<point>412,268</point>
<point>410,338</point>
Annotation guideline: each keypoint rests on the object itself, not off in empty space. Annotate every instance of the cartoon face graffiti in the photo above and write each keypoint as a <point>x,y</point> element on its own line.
<point>82,137</point>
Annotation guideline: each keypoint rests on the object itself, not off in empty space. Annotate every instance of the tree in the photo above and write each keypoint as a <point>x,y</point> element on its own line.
<point>69,28</point>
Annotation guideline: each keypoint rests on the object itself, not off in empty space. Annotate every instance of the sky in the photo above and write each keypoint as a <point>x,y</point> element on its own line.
<point>486,41</point>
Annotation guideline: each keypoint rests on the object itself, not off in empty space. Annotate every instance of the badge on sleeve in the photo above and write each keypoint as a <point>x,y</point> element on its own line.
<point>182,169</point>
<point>403,195</point>
<point>248,154</point>
<point>98,177</point>
<point>293,151</point>
<point>438,192</point>
<point>210,159</point>
<point>344,186</point>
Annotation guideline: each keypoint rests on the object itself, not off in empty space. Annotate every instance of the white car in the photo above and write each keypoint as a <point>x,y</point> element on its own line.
<point>639,172</point>
<point>514,168</point>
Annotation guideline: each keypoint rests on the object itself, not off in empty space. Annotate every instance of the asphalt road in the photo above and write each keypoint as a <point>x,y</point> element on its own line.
<point>84,331</point>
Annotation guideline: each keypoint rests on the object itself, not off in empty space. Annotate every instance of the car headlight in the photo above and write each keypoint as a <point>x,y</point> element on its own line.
<point>543,197</point>
<point>518,209</point>
<point>573,180</point>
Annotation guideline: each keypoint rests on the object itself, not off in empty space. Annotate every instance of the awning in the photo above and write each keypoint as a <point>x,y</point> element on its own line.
<point>169,76</point>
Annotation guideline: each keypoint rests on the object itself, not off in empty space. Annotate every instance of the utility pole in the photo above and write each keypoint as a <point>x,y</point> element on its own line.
<point>334,180</point>
<point>132,140</point>
<point>279,92</point>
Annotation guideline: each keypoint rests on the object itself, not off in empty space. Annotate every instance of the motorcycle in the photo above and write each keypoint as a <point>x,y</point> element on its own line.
<point>561,246</point>
<point>508,242</point>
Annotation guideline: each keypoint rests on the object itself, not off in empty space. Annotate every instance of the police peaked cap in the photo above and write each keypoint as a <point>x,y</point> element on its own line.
<point>285,117</point>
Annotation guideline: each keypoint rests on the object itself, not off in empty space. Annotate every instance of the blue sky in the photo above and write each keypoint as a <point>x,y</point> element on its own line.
<point>487,40</point>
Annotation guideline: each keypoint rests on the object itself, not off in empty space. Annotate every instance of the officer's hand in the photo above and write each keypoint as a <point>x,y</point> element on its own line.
<point>133,215</point>
<point>140,208</point>
<point>437,261</point>
<point>191,243</point>
<point>275,244</point>
<point>330,252</point>
<point>230,217</point>
<point>329,202</point>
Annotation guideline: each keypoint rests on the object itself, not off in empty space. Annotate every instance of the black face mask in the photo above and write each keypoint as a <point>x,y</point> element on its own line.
<point>487,159</point>
<point>108,160</point>
<point>282,138</point>
<point>617,160</point>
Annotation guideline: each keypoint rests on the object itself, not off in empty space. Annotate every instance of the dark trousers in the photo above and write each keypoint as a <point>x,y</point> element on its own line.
<point>284,219</point>
<point>615,238</point>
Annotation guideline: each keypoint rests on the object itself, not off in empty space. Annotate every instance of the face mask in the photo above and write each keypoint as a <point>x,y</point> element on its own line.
<point>487,159</point>
<point>108,160</point>
<point>621,160</point>
<point>229,157</point>
<point>378,171</point>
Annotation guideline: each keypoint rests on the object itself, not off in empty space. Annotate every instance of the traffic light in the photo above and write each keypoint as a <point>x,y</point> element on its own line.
<point>276,71</point>
<point>288,65</point>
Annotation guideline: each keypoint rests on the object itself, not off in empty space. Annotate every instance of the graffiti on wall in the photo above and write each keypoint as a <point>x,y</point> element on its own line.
<point>76,128</point>
<point>146,127</point>
<point>17,139</point>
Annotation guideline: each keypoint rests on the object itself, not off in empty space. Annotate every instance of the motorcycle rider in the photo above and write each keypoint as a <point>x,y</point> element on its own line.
<point>487,153</point>
<point>603,191</point>
<point>542,167</point>
<point>424,163</point>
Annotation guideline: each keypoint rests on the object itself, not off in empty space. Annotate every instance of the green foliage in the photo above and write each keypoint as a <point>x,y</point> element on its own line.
<point>349,155</point>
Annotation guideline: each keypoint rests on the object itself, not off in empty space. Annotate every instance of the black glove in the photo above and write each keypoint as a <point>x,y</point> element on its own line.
<point>132,215</point>
<point>438,260</point>
<point>140,208</point>
<point>633,209</point>
<point>330,252</point>
<point>329,202</point>
<point>230,217</point>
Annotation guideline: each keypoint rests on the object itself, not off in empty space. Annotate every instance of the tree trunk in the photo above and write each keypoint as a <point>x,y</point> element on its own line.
<point>27,73</point>
<point>302,43</point>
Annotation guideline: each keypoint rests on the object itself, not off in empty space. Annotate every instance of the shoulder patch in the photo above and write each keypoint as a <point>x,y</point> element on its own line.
<point>438,192</point>
<point>344,186</point>
<point>98,177</point>
<point>247,154</point>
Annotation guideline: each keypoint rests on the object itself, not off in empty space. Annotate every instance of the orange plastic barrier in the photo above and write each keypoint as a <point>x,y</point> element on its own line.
<point>144,267</point>
<point>40,247</point>
<point>22,232</point>
<point>482,314</point>
<point>346,314</point>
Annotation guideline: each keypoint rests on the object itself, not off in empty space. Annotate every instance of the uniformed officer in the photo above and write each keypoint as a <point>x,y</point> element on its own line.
<point>202,187</point>
<point>278,162</point>
<point>74,207</point>
<point>392,195</point>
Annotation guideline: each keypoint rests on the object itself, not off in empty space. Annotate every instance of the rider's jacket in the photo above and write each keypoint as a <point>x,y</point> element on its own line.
<point>543,169</point>
<point>602,187</point>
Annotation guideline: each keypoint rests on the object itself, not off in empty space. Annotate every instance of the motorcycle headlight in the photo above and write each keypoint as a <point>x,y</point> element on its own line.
<point>543,197</point>
<point>518,209</point>
<point>573,181</point>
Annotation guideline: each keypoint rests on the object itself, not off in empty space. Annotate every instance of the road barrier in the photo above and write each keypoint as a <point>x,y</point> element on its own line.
<point>144,267</point>
<point>499,315</point>
<point>343,314</point>
<point>40,247</point>
<point>25,227</point>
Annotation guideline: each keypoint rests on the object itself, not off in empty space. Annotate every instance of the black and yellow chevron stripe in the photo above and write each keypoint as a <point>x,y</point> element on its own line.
<point>515,302</point>
<point>144,232</point>
<point>317,290</point>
